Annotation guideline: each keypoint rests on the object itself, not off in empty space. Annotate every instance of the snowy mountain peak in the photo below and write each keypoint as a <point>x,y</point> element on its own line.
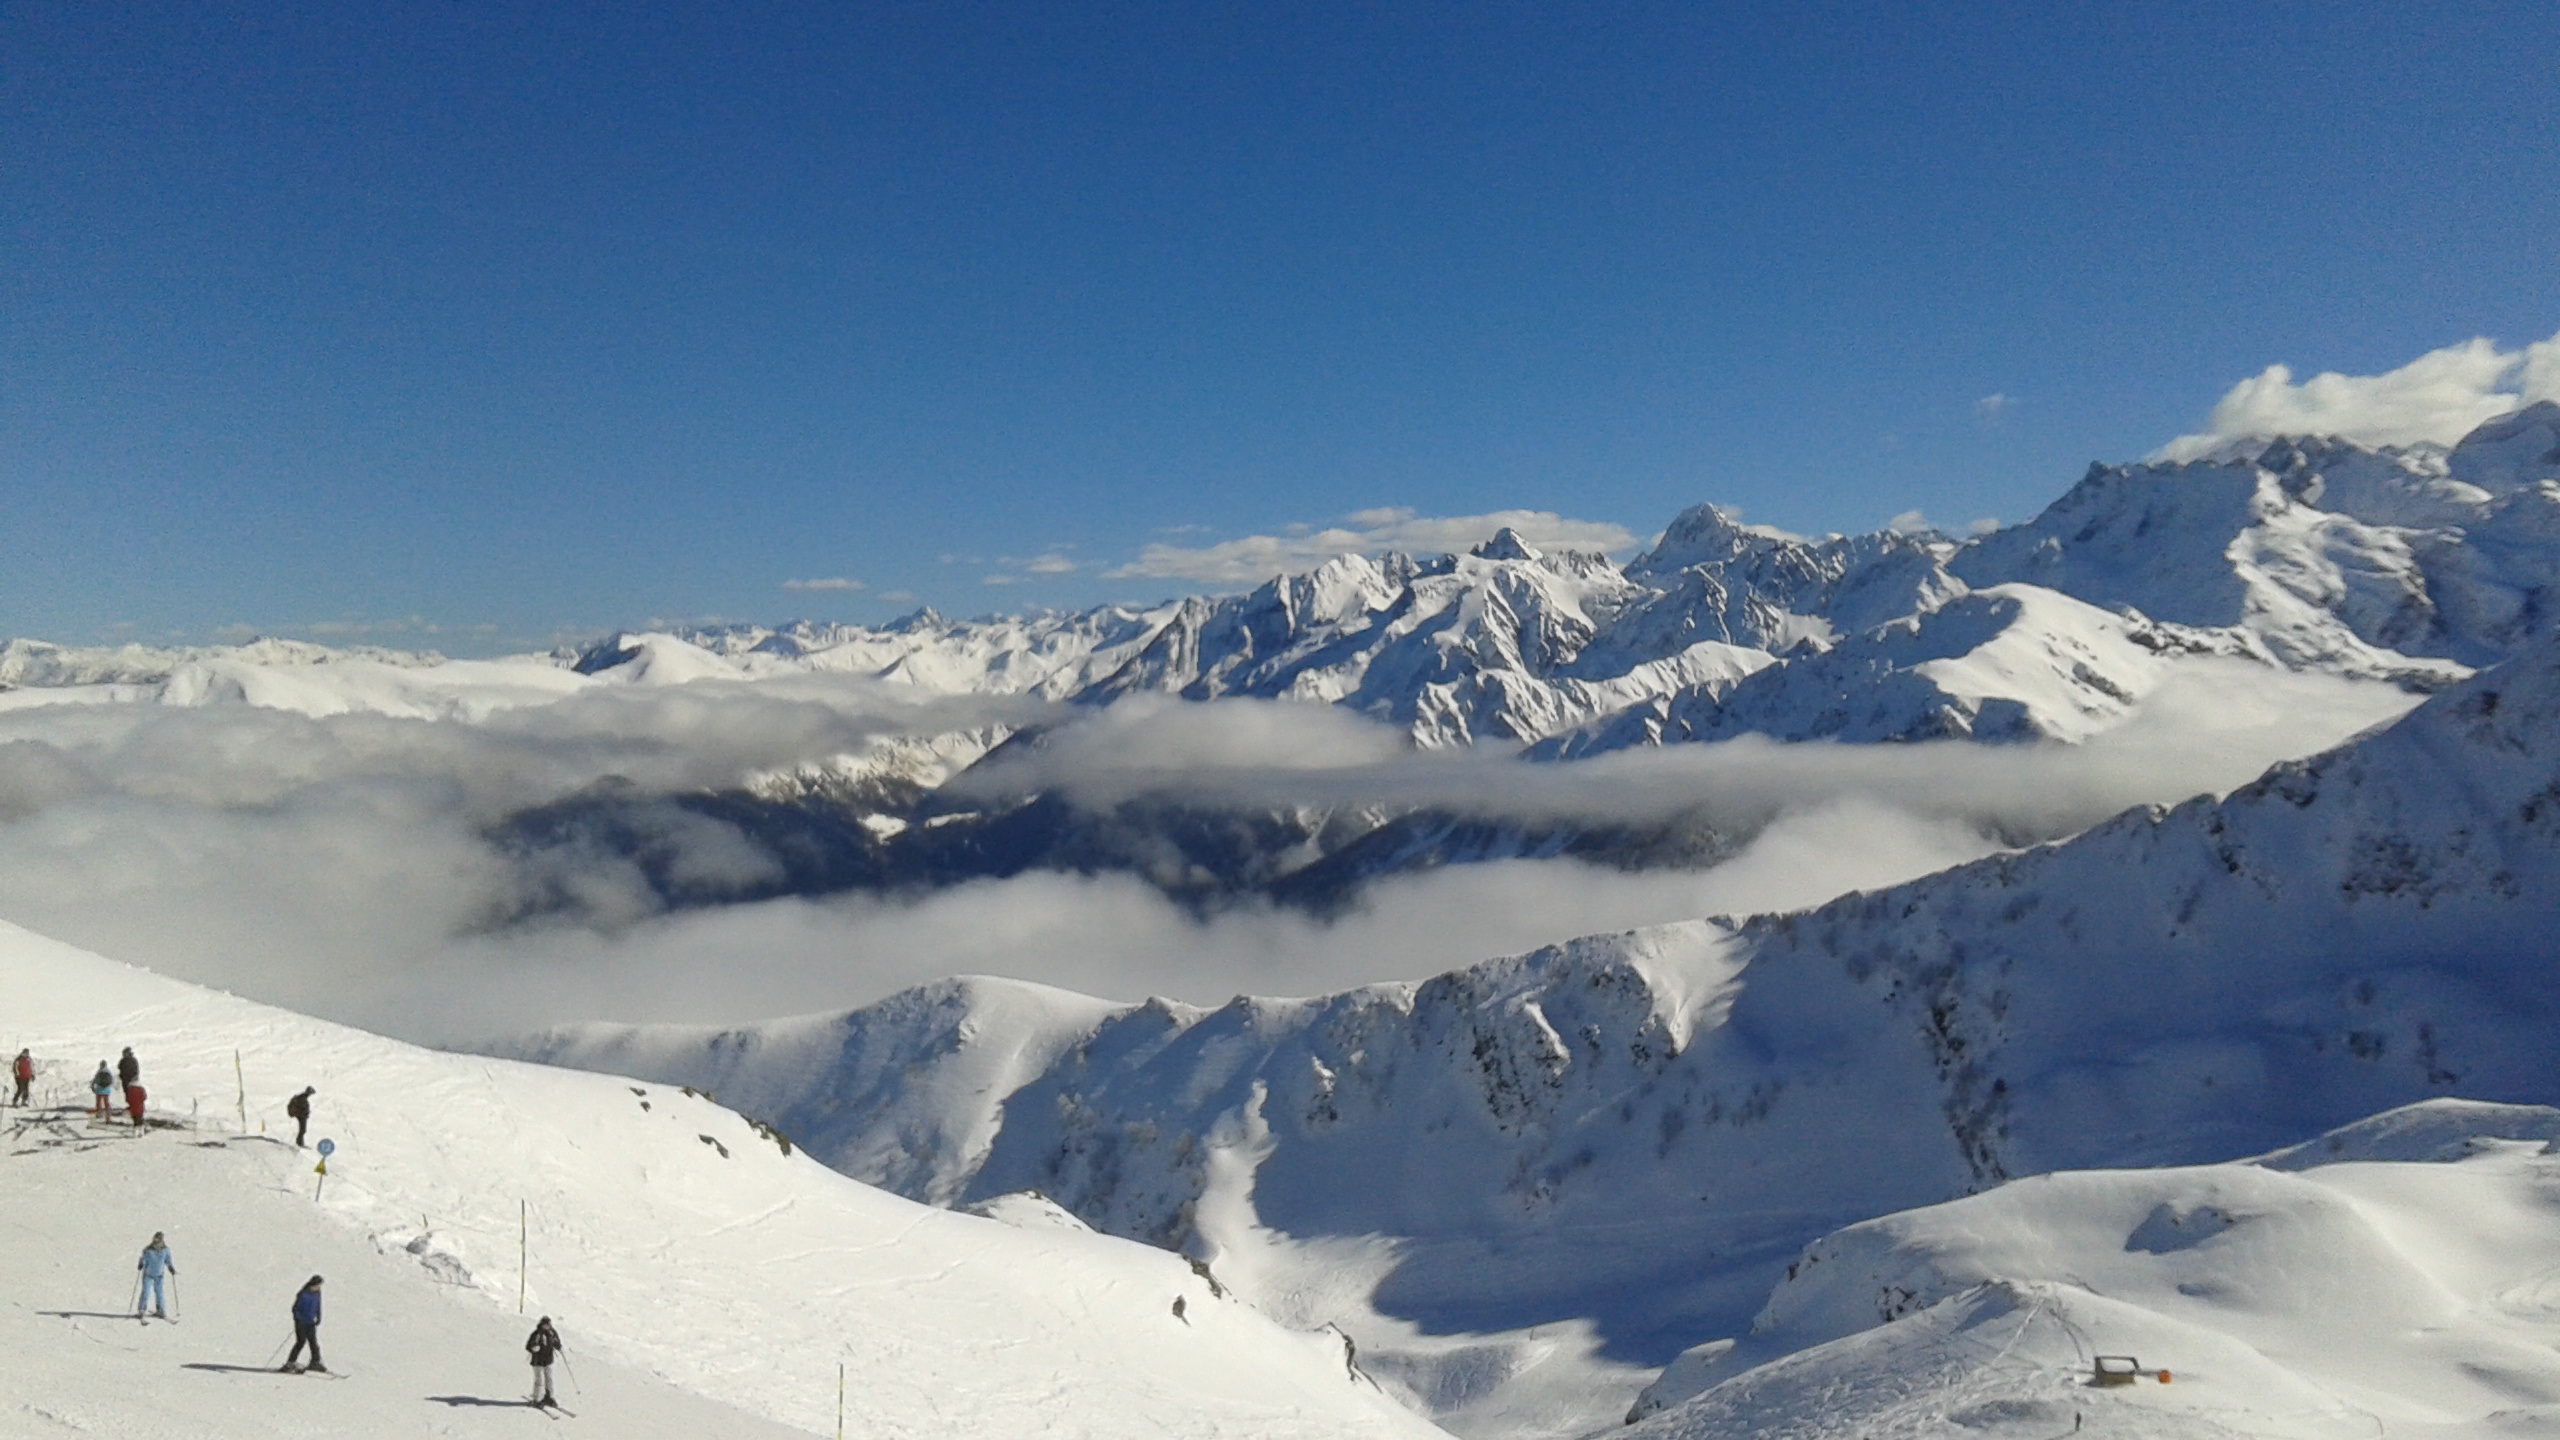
<point>1705,534</point>
<point>2511,451</point>
<point>1506,544</point>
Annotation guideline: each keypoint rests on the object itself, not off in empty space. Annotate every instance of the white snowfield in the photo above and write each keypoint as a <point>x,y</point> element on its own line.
<point>707,1283</point>
<point>2399,1277</point>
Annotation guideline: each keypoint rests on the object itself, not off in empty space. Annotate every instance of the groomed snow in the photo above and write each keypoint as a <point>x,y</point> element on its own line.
<point>676,1244</point>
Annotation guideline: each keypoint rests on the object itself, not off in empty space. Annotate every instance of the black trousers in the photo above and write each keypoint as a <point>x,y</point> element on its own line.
<point>305,1335</point>
<point>22,1092</point>
<point>301,1124</point>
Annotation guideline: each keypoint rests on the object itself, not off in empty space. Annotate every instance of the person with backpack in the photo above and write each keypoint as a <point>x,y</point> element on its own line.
<point>306,1328</point>
<point>299,1107</point>
<point>23,1070</point>
<point>101,1085</point>
<point>544,1346</point>
<point>129,1070</point>
<point>156,1265</point>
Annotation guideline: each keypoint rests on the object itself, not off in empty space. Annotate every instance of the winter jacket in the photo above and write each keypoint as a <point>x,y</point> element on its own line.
<point>128,1070</point>
<point>542,1345</point>
<point>156,1262</point>
<point>298,1107</point>
<point>306,1307</point>
<point>102,1083</point>
<point>23,1068</point>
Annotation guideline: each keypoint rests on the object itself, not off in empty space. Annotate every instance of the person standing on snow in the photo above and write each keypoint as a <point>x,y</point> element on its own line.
<point>155,1266</point>
<point>23,1070</point>
<point>129,1070</point>
<point>299,1107</point>
<point>101,1085</point>
<point>544,1346</point>
<point>306,1328</point>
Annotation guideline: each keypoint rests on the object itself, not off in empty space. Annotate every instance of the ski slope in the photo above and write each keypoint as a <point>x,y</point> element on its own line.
<point>707,1282</point>
<point>2399,1277</point>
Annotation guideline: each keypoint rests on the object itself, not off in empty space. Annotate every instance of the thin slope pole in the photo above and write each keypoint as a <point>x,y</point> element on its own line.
<point>241,1077</point>
<point>839,1400</point>
<point>523,1248</point>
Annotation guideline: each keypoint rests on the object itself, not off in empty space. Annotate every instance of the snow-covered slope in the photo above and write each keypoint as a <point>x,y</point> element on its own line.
<point>1636,1130</point>
<point>411,1353</point>
<point>2363,1288</point>
<point>669,1237</point>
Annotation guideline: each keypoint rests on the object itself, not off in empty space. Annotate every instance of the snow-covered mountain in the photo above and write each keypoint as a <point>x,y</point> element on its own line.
<point>2398,1276</point>
<point>2411,564</point>
<point>2395,567</point>
<point>1637,1131</point>
<point>709,1276</point>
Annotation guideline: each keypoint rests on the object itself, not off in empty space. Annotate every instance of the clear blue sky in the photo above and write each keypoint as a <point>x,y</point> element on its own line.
<point>550,316</point>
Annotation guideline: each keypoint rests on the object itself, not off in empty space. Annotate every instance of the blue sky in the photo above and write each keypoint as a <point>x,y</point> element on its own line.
<point>520,321</point>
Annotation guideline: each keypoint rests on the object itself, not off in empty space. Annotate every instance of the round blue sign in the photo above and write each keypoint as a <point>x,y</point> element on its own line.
<point>327,1148</point>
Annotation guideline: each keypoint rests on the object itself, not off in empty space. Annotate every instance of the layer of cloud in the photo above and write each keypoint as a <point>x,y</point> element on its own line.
<point>2439,397</point>
<point>2213,725</point>
<point>831,582</point>
<point>1253,559</point>
<point>344,865</point>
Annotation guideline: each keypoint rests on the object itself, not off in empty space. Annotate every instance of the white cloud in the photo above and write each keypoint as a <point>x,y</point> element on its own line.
<point>2212,725</point>
<point>1256,558</point>
<point>1049,564</point>
<point>346,864</point>
<point>1990,408</point>
<point>832,582</point>
<point>1912,522</point>
<point>2441,396</point>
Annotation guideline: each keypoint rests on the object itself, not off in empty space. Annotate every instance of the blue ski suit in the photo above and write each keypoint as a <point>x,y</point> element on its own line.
<point>155,1266</point>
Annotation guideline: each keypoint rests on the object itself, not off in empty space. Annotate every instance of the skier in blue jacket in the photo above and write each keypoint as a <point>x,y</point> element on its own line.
<point>306,1327</point>
<point>155,1266</point>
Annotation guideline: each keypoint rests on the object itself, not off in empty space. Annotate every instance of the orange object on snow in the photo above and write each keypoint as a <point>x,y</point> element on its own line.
<point>2164,1377</point>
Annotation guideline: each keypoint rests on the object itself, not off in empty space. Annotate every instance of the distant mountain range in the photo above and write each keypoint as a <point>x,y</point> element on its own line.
<point>2412,566</point>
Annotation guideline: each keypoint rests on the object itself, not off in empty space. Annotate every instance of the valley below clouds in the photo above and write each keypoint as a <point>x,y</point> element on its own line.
<point>349,863</point>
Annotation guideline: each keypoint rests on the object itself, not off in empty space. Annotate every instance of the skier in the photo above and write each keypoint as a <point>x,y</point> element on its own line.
<point>155,1265</point>
<point>128,1069</point>
<point>306,1328</point>
<point>299,1107</point>
<point>23,1070</point>
<point>544,1346</point>
<point>133,1096</point>
<point>101,1085</point>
